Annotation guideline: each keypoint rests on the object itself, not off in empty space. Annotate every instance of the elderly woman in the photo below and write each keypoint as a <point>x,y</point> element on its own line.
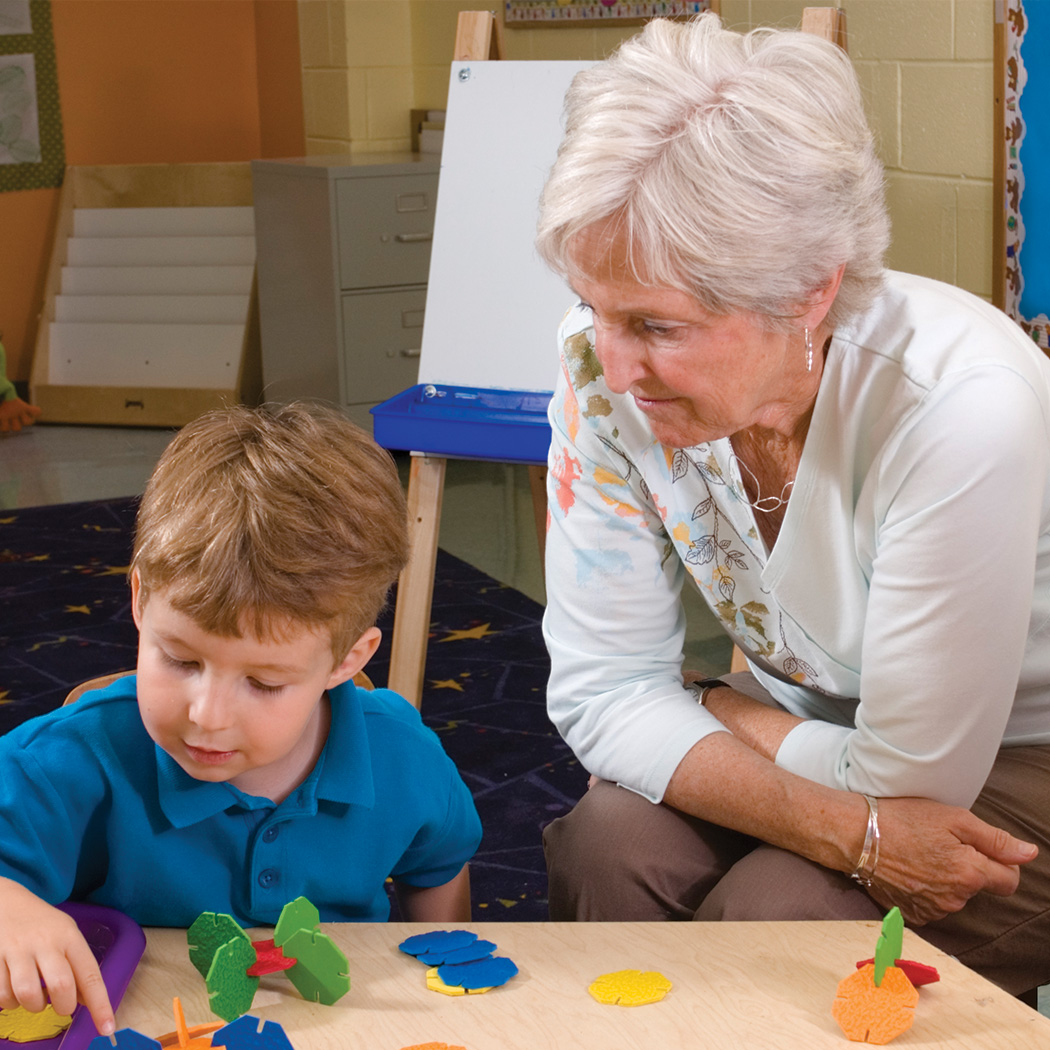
<point>853,468</point>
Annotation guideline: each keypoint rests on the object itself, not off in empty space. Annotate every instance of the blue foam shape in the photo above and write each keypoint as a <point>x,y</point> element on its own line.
<point>127,1039</point>
<point>437,941</point>
<point>471,953</point>
<point>246,1034</point>
<point>483,973</point>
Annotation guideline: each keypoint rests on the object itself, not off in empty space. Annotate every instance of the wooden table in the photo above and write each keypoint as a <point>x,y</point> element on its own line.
<point>739,986</point>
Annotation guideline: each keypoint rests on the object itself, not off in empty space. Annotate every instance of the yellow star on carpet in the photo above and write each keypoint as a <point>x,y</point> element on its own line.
<point>446,683</point>
<point>115,570</point>
<point>79,608</point>
<point>481,631</point>
<point>37,646</point>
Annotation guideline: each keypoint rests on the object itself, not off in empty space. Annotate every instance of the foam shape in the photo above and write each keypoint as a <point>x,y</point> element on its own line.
<point>190,1032</point>
<point>436,984</point>
<point>296,915</point>
<point>630,987</point>
<point>321,973</point>
<point>252,1033</point>
<point>433,1046</point>
<point>916,972</point>
<point>230,989</point>
<point>471,953</point>
<point>125,1039</point>
<point>209,932</point>
<point>437,941</point>
<point>875,1013</point>
<point>890,942</point>
<point>490,972</point>
<point>269,958</point>
<point>21,1026</point>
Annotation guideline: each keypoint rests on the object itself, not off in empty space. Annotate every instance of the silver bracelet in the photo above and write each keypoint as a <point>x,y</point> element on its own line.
<point>701,688</point>
<point>864,872</point>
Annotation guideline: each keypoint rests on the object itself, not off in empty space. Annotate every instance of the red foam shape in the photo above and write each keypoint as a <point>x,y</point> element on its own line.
<point>269,959</point>
<point>916,972</point>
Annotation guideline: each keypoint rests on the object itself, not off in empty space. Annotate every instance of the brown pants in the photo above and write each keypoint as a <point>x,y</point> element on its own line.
<point>618,857</point>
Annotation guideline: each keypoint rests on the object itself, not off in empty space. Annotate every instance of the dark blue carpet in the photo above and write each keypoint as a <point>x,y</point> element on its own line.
<point>66,618</point>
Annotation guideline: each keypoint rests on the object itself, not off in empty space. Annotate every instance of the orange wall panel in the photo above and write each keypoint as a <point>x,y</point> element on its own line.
<point>152,81</point>
<point>144,81</point>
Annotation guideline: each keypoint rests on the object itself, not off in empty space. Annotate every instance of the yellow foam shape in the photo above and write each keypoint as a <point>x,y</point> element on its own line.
<point>867,1013</point>
<point>436,984</point>
<point>630,987</point>
<point>21,1026</point>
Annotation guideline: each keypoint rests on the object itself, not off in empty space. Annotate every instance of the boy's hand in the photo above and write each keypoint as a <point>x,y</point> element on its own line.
<point>44,957</point>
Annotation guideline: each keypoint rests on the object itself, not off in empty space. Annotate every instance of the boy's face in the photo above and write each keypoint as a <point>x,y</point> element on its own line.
<point>241,710</point>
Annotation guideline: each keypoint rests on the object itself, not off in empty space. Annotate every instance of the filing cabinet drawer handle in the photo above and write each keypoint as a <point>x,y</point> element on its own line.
<point>411,353</point>
<point>413,238</point>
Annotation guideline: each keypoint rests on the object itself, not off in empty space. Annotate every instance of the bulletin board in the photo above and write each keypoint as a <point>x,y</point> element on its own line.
<point>1022,237</point>
<point>32,152</point>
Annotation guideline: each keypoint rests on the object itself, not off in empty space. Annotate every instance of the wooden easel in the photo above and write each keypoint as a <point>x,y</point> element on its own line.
<point>828,22</point>
<point>479,37</point>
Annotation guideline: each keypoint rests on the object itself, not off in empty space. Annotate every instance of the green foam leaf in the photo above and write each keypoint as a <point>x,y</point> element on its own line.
<point>208,934</point>
<point>230,989</point>
<point>321,974</point>
<point>296,915</point>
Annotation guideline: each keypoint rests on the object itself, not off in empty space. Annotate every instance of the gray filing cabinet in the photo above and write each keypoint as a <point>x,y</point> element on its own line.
<point>343,255</point>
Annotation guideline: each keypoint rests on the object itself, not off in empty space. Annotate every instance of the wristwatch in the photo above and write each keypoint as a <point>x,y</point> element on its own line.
<point>704,686</point>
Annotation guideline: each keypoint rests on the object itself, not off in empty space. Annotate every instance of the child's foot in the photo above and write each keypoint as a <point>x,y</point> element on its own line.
<point>15,414</point>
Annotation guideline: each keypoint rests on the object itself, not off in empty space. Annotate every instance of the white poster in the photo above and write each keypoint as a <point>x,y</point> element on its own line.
<point>19,123</point>
<point>15,19</point>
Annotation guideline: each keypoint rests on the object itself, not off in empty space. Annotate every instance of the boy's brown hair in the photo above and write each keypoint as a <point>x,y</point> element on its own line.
<point>257,519</point>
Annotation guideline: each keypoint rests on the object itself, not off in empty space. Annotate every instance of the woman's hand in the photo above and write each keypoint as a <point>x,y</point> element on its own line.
<point>44,957</point>
<point>934,858</point>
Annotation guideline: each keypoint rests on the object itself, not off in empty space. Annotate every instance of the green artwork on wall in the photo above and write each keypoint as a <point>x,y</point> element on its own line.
<point>32,153</point>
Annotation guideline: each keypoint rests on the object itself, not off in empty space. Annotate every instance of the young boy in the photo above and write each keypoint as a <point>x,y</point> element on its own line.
<point>240,768</point>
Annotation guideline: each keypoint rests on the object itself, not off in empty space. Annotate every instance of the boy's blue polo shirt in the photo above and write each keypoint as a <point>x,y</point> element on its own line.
<point>92,809</point>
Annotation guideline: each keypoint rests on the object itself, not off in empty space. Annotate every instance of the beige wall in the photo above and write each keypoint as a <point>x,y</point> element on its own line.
<point>925,65</point>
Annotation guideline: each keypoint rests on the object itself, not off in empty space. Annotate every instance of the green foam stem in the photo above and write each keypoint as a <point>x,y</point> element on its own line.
<point>890,945</point>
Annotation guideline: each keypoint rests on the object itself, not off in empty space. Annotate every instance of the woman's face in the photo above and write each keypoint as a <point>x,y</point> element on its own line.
<point>695,375</point>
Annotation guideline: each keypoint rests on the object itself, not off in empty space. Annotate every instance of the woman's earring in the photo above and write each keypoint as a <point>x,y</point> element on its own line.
<point>809,350</point>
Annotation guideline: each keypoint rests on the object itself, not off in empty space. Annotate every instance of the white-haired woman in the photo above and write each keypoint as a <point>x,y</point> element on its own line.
<point>852,466</point>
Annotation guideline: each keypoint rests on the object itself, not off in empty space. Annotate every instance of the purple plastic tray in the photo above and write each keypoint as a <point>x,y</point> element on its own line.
<point>118,943</point>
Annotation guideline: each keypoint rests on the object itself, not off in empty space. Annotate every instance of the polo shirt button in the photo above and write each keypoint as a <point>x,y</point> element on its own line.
<point>271,833</point>
<point>268,877</point>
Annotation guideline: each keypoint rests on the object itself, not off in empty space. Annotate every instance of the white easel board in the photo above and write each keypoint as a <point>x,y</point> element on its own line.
<point>493,307</point>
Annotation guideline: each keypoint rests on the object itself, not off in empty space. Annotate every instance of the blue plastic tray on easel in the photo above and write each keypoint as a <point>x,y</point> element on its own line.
<point>466,423</point>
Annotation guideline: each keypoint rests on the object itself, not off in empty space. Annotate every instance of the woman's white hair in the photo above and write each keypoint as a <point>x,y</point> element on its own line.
<point>740,168</point>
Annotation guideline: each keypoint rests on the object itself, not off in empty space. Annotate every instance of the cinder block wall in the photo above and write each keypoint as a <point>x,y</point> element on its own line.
<point>925,65</point>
